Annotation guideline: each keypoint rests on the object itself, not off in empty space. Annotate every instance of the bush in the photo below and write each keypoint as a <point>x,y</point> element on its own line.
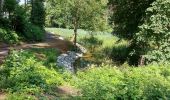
<point>99,83</point>
<point>106,82</point>
<point>8,36</point>
<point>33,32</point>
<point>22,73</point>
<point>152,40</point>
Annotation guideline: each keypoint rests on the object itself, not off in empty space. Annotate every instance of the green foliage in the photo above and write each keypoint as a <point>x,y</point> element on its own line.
<point>33,32</point>
<point>128,15</point>
<point>106,82</point>
<point>20,96</point>
<point>9,5</point>
<point>152,40</point>
<point>38,13</point>
<point>46,56</point>
<point>8,36</point>
<point>87,14</point>
<point>16,18</point>
<point>19,20</point>
<point>99,83</point>
<point>22,73</point>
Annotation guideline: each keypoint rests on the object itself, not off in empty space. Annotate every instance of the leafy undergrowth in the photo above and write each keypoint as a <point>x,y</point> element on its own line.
<point>46,55</point>
<point>24,76</point>
<point>113,83</point>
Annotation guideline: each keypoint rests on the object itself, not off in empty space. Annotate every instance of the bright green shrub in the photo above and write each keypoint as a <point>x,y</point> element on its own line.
<point>8,36</point>
<point>144,83</point>
<point>33,32</point>
<point>148,83</point>
<point>100,83</point>
<point>27,75</point>
<point>152,40</point>
<point>20,96</point>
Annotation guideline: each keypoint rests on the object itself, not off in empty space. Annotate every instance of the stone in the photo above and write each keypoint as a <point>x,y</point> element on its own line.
<point>68,59</point>
<point>82,49</point>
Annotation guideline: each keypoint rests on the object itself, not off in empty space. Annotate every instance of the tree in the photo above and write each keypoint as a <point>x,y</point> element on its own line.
<point>38,13</point>
<point>9,6</point>
<point>86,14</point>
<point>153,38</point>
<point>1,7</point>
<point>128,15</point>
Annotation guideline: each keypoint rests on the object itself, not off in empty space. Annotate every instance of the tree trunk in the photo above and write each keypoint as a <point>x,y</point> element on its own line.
<point>75,33</point>
<point>25,4</point>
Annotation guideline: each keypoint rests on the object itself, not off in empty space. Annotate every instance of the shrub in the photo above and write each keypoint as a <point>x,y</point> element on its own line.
<point>25,74</point>
<point>99,83</point>
<point>152,40</point>
<point>33,32</point>
<point>20,96</point>
<point>8,36</point>
<point>106,82</point>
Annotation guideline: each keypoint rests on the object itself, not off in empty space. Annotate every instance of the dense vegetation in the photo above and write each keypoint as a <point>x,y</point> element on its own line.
<point>128,44</point>
<point>19,23</point>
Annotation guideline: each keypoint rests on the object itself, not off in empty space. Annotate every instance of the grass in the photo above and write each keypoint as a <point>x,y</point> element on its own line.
<point>67,33</point>
<point>102,46</point>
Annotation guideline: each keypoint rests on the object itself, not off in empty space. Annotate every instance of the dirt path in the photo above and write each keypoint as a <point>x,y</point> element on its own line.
<point>2,96</point>
<point>51,41</point>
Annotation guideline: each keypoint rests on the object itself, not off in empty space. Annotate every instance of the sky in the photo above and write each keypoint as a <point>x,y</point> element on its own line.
<point>21,1</point>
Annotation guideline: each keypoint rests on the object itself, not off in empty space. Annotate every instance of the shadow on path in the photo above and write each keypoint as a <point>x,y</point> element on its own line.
<point>51,41</point>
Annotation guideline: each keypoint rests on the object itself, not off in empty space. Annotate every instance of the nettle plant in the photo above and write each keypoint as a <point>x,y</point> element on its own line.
<point>153,37</point>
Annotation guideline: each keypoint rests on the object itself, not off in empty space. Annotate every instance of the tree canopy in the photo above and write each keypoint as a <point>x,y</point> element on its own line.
<point>90,15</point>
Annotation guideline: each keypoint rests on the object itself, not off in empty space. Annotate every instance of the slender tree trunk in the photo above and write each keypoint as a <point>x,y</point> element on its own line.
<point>75,32</point>
<point>76,22</point>
<point>25,4</point>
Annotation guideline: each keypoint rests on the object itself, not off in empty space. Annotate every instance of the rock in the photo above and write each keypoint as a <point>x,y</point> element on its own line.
<point>61,38</point>
<point>82,49</point>
<point>67,60</point>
